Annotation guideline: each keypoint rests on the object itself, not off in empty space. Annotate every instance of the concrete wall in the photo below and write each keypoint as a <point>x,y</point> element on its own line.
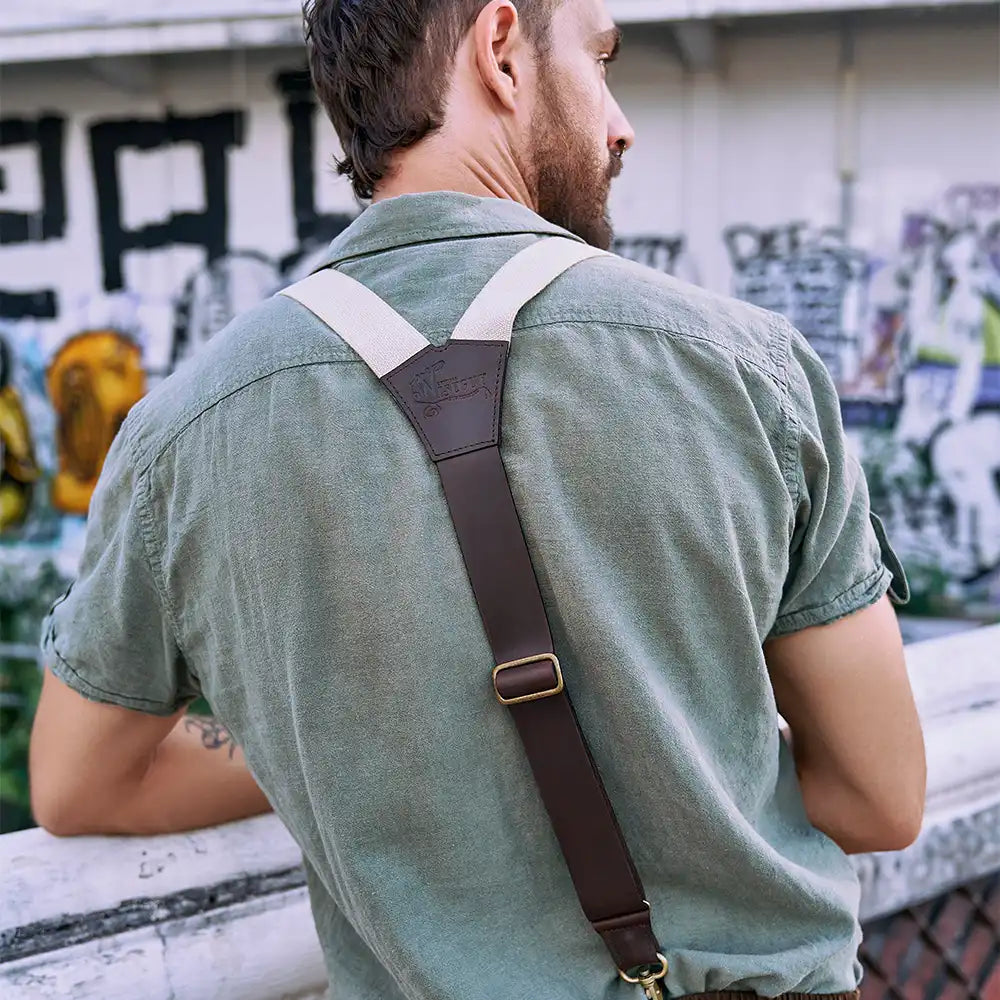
<point>144,202</point>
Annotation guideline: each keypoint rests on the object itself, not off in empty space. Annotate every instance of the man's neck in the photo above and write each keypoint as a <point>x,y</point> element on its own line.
<point>429,166</point>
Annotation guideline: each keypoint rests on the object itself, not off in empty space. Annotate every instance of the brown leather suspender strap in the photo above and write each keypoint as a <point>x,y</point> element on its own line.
<point>486,521</point>
<point>452,396</point>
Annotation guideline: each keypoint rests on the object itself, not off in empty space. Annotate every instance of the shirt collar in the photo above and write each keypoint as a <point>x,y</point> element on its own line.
<point>436,215</point>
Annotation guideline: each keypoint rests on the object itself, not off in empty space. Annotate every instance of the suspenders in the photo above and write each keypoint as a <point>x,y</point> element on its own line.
<point>452,397</point>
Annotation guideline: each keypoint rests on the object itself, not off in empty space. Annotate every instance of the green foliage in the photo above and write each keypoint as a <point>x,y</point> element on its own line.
<point>20,684</point>
<point>21,614</point>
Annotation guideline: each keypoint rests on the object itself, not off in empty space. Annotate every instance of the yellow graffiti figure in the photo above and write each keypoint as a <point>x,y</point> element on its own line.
<point>93,380</point>
<point>18,468</point>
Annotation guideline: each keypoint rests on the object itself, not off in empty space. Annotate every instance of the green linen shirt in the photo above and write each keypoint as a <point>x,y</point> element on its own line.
<point>268,530</point>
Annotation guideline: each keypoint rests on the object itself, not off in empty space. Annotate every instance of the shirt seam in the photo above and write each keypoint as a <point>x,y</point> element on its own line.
<point>773,356</point>
<point>776,375</point>
<point>143,498</point>
<point>149,463</point>
<point>792,440</point>
<point>792,429</point>
<point>749,359</point>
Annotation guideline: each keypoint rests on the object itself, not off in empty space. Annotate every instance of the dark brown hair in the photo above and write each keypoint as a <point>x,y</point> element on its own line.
<point>381,70</point>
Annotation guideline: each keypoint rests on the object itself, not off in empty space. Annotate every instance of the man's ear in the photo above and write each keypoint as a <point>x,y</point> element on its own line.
<point>501,51</point>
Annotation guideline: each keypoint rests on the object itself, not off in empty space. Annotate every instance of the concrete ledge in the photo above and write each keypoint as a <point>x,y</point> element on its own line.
<point>956,681</point>
<point>223,914</point>
<point>945,856</point>
<point>220,913</point>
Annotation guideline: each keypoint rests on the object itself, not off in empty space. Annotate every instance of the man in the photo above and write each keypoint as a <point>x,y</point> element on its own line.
<point>269,531</point>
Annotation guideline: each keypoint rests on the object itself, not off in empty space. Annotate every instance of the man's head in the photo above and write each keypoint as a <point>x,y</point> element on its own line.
<point>489,97</point>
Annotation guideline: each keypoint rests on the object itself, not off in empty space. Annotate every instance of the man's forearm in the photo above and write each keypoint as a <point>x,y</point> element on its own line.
<point>198,777</point>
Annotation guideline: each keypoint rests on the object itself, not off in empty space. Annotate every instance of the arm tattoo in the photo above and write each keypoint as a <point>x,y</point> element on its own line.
<point>213,734</point>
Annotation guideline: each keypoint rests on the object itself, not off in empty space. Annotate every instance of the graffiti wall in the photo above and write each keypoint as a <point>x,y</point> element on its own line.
<point>128,238</point>
<point>103,294</point>
<point>912,338</point>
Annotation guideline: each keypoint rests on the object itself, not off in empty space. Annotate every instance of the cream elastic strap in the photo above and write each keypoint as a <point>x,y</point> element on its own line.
<point>384,340</point>
<point>493,311</point>
<point>371,326</point>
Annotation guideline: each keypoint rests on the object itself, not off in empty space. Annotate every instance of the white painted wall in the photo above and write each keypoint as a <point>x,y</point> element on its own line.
<point>753,140</point>
<point>929,117</point>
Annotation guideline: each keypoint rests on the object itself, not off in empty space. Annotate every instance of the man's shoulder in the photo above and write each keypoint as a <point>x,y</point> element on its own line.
<point>643,301</point>
<point>276,335</point>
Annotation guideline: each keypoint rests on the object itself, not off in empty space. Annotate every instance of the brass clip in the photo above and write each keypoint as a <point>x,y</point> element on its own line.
<point>650,982</point>
<point>651,987</point>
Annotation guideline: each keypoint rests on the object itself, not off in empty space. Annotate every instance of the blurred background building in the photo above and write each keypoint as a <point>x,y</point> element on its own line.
<point>163,166</point>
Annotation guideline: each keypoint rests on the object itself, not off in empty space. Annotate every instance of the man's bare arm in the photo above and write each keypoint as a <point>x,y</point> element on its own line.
<point>101,769</point>
<point>856,737</point>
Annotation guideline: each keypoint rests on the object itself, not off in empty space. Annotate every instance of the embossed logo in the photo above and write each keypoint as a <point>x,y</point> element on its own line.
<point>432,391</point>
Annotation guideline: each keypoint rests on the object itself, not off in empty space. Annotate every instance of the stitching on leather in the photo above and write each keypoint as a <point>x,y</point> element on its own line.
<point>496,393</point>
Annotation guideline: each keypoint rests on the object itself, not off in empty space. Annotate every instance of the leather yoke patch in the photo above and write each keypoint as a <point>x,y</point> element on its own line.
<point>452,395</point>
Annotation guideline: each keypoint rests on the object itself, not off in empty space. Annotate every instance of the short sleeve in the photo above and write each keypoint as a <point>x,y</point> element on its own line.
<point>840,559</point>
<point>109,637</point>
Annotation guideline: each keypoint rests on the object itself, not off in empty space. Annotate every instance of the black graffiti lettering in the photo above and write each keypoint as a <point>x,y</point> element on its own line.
<point>311,226</point>
<point>743,245</point>
<point>46,134</point>
<point>749,245</point>
<point>659,252</point>
<point>29,305</point>
<point>869,413</point>
<point>48,222</point>
<point>806,275</point>
<point>214,134</point>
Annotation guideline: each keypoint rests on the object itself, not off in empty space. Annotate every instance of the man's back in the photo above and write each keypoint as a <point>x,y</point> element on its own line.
<point>660,444</point>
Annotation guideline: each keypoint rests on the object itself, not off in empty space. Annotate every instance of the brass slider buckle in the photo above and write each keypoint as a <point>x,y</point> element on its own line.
<point>649,978</point>
<point>535,695</point>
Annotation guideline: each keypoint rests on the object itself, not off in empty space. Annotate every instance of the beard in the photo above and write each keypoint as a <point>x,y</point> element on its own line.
<point>571,183</point>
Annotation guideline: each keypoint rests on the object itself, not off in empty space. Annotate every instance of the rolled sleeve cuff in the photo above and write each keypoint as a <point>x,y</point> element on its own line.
<point>62,669</point>
<point>887,577</point>
<point>862,594</point>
